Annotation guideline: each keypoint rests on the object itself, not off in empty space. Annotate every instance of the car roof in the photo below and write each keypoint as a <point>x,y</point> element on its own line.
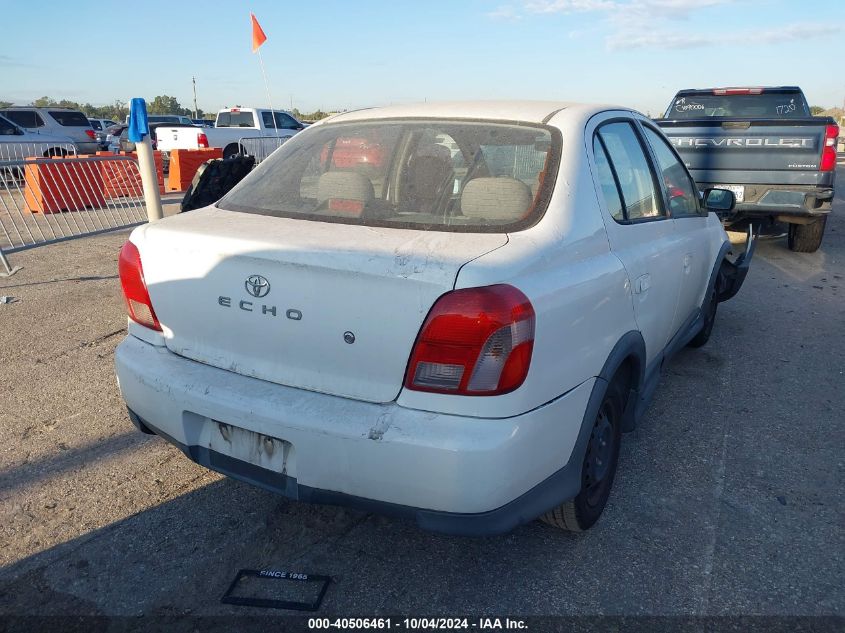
<point>14,107</point>
<point>528,111</point>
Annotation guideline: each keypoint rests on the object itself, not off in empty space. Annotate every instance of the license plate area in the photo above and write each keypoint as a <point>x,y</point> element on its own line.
<point>259,449</point>
<point>738,191</point>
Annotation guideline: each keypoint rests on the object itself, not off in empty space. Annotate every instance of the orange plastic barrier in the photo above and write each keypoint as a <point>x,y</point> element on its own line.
<point>184,164</point>
<point>121,180</point>
<point>62,185</point>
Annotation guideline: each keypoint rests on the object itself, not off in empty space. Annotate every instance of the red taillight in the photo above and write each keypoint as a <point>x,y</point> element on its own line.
<point>474,342</point>
<point>135,288</point>
<point>91,134</point>
<point>828,161</point>
<point>737,91</point>
<point>202,140</point>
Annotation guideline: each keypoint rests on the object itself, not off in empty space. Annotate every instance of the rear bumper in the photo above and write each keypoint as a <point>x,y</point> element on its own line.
<point>452,474</point>
<point>776,200</point>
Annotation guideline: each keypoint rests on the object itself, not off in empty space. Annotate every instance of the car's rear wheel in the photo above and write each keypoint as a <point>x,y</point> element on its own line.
<point>598,468</point>
<point>806,238</point>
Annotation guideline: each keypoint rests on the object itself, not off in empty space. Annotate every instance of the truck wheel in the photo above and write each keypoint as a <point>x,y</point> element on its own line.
<point>597,470</point>
<point>709,319</point>
<point>806,238</point>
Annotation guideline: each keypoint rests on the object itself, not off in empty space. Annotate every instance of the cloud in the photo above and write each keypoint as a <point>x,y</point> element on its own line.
<point>505,12</point>
<point>641,24</point>
<point>7,61</point>
<point>667,40</point>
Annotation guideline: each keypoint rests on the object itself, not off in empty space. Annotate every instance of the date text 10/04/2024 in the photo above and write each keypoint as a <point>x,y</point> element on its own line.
<point>418,624</point>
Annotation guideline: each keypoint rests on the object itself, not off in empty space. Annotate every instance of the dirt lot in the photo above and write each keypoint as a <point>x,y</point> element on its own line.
<point>729,497</point>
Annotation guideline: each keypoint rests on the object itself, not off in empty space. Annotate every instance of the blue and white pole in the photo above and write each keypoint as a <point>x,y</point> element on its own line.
<point>139,133</point>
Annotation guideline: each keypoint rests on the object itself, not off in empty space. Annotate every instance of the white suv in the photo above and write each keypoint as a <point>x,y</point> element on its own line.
<point>56,121</point>
<point>447,312</point>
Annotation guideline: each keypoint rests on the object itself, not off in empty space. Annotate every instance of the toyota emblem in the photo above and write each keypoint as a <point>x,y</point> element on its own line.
<point>257,286</point>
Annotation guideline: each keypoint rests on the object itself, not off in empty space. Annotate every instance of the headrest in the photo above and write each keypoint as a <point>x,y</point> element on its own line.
<point>496,199</point>
<point>345,192</point>
<point>434,150</point>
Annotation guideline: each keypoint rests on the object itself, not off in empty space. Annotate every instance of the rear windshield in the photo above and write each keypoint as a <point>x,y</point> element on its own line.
<point>70,119</point>
<point>770,106</point>
<point>235,119</point>
<point>428,175</point>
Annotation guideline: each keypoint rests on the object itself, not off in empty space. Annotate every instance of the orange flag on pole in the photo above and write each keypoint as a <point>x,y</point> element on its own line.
<point>258,37</point>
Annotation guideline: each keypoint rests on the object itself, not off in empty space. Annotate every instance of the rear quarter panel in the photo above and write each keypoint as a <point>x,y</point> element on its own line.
<point>579,290</point>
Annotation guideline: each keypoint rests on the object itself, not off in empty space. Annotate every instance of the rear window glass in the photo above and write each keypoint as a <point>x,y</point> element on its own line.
<point>24,118</point>
<point>96,124</point>
<point>235,119</point>
<point>70,119</point>
<point>770,106</point>
<point>422,174</point>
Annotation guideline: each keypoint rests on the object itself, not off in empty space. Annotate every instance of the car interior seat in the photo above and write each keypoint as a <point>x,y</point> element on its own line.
<point>500,200</point>
<point>428,176</point>
<point>344,192</point>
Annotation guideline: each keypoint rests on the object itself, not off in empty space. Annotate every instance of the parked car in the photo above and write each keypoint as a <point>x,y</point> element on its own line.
<point>203,122</point>
<point>128,146</point>
<point>55,121</point>
<point>232,125</point>
<point>762,144</point>
<point>17,143</point>
<point>113,137</point>
<point>457,339</point>
<point>174,119</point>
<point>100,127</point>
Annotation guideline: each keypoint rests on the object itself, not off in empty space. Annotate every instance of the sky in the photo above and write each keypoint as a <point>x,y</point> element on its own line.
<point>337,54</point>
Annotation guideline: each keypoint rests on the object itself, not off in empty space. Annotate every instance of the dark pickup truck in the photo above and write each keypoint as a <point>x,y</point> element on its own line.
<point>762,144</point>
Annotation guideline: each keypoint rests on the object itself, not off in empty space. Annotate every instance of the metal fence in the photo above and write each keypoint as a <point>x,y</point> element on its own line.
<point>48,200</point>
<point>21,150</point>
<point>261,147</point>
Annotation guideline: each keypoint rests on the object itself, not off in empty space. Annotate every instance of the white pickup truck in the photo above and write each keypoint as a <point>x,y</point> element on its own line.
<point>236,130</point>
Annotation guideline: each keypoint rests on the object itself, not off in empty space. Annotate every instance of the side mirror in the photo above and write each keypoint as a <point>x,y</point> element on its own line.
<point>719,200</point>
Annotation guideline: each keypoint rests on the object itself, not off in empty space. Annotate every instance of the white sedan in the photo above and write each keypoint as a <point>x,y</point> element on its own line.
<point>446,312</point>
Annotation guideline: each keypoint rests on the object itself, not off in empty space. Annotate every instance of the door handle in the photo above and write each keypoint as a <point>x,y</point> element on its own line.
<point>687,261</point>
<point>642,284</point>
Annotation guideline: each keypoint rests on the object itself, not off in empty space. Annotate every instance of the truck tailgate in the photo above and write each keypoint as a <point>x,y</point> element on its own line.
<point>177,137</point>
<point>754,150</point>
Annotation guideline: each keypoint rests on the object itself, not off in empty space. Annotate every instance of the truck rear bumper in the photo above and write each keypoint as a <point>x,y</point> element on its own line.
<point>453,474</point>
<point>788,201</point>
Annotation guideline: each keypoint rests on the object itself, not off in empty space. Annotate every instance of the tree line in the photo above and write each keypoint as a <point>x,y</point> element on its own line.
<point>161,104</point>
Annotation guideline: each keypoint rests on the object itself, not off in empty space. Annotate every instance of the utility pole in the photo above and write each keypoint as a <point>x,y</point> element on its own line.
<point>194,79</point>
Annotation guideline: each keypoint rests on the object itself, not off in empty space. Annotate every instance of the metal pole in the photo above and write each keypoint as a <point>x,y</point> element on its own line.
<point>269,99</point>
<point>194,79</point>
<point>9,270</point>
<point>147,167</point>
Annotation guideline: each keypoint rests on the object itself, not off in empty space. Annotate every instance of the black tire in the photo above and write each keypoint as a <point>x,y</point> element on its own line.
<point>233,149</point>
<point>598,468</point>
<point>55,151</point>
<point>709,319</point>
<point>806,238</point>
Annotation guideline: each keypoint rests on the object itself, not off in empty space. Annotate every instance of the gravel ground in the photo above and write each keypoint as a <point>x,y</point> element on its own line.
<point>728,500</point>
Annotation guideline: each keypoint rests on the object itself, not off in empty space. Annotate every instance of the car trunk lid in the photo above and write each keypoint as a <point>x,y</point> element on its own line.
<point>333,308</point>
